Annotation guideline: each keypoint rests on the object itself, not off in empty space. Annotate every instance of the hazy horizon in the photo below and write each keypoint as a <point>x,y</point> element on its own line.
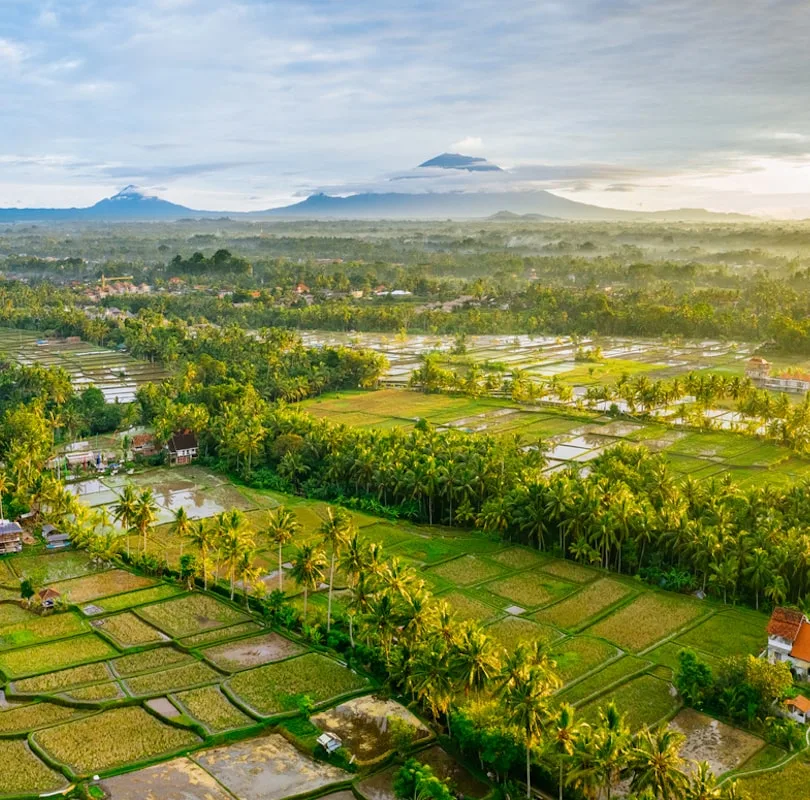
<point>251,105</point>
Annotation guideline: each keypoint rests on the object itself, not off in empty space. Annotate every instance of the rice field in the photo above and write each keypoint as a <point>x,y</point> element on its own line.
<point>277,687</point>
<point>211,708</point>
<point>127,630</point>
<point>111,739</point>
<point>189,614</point>
<point>55,655</point>
<point>22,772</point>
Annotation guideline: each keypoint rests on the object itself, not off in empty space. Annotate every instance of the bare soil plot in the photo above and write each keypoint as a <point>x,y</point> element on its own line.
<point>647,619</point>
<point>267,768</point>
<point>178,779</point>
<point>252,652</point>
<point>363,725</point>
<point>708,739</point>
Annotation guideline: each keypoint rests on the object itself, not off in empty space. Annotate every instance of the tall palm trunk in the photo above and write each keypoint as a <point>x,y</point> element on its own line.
<point>280,574</point>
<point>528,771</point>
<point>306,597</point>
<point>329,601</point>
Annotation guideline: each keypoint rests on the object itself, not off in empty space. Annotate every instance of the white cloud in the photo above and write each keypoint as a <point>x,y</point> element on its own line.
<point>11,52</point>
<point>469,144</point>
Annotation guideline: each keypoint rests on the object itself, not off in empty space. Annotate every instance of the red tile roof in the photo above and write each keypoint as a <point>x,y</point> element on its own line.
<point>801,645</point>
<point>785,623</point>
<point>800,702</point>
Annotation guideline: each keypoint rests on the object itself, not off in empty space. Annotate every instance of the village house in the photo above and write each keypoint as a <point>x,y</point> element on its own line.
<point>798,709</point>
<point>48,597</point>
<point>182,448</point>
<point>143,444</point>
<point>10,537</point>
<point>757,369</point>
<point>789,640</point>
<point>54,539</point>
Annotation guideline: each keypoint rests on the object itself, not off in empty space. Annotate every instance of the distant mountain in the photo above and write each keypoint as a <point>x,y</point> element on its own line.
<point>133,205</point>
<point>467,205</point>
<point>458,161</point>
<point>509,216</point>
<point>130,204</point>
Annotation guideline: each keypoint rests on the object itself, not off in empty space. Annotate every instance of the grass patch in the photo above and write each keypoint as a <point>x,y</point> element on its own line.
<point>573,611</point>
<point>429,550</point>
<point>276,687</point>
<point>529,589</point>
<point>112,739</point>
<point>728,633</point>
<point>221,634</point>
<point>41,629</point>
<point>764,758</point>
<point>580,654</point>
<point>210,707</point>
<point>172,680</point>
<point>150,660</point>
<point>33,716</point>
<point>789,783</point>
<point>65,679</point>
<point>646,620</point>
<point>128,630</point>
<point>52,567</point>
<point>182,616</point>
<point>645,700</point>
<point>466,608</point>
<point>12,614</point>
<point>90,587</point>
<point>22,773</point>
<point>137,598</point>
<point>512,631</point>
<point>467,570</point>
<point>387,535</point>
<point>606,676</point>
<point>50,657</point>
<point>667,654</point>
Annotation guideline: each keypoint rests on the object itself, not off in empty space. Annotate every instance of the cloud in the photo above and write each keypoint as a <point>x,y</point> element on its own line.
<point>467,145</point>
<point>300,94</point>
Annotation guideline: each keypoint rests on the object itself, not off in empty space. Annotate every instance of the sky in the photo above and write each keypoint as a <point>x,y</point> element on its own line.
<point>247,105</point>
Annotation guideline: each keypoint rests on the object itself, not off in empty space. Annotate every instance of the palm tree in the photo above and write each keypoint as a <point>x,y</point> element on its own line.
<point>475,660</point>
<point>613,737</point>
<point>307,570</point>
<point>233,542</point>
<point>5,485</point>
<point>430,679</point>
<point>526,702</point>
<point>282,527</point>
<point>124,509</point>
<point>202,537</point>
<point>181,526</point>
<point>657,765</point>
<point>584,771</point>
<point>145,514</point>
<point>562,739</point>
<point>335,530</point>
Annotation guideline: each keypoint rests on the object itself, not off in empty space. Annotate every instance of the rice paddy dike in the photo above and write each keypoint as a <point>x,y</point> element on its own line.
<point>148,685</point>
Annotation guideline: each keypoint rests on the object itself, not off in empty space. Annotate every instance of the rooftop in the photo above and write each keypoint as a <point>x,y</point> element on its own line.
<point>785,623</point>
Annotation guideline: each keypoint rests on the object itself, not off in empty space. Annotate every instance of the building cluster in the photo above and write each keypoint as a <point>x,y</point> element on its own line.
<point>759,370</point>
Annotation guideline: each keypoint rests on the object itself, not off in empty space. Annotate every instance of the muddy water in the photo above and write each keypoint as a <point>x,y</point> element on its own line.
<point>252,652</point>
<point>363,725</point>
<point>267,768</point>
<point>710,740</point>
<point>179,779</point>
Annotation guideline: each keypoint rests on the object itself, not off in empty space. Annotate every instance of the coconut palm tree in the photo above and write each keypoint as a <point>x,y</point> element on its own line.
<point>657,765</point>
<point>336,531</point>
<point>307,570</point>
<point>146,511</point>
<point>282,526</point>
<point>475,660</point>
<point>526,704</point>
<point>181,525</point>
<point>203,537</point>
<point>613,737</point>
<point>124,509</point>
<point>562,739</point>
<point>430,679</point>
